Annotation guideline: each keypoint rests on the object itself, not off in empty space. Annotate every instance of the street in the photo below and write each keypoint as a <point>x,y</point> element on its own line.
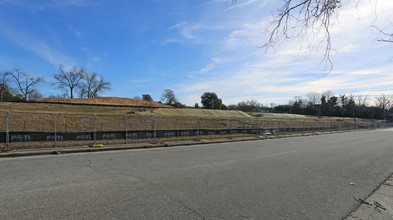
<point>289,178</point>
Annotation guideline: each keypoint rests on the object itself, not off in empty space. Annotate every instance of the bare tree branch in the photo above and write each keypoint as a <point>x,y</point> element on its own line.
<point>4,84</point>
<point>25,83</point>
<point>69,80</point>
<point>387,37</point>
<point>93,85</point>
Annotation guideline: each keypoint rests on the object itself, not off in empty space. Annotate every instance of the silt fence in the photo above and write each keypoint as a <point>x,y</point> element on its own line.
<point>30,130</point>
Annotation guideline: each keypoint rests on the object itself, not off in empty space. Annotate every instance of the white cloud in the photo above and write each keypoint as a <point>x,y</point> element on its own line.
<point>172,40</point>
<point>35,45</point>
<point>189,31</point>
<point>237,5</point>
<point>184,29</point>
<point>75,31</point>
<point>212,65</point>
<point>213,2</point>
<point>47,4</point>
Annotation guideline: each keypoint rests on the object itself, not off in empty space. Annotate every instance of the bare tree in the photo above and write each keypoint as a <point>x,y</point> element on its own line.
<point>168,97</point>
<point>386,37</point>
<point>307,20</point>
<point>362,100</point>
<point>383,103</point>
<point>93,85</point>
<point>328,94</point>
<point>25,83</point>
<point>69,80</point>
<point>4,84</point>
<point>313,97</point>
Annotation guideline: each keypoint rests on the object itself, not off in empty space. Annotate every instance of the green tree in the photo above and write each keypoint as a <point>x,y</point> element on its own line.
<point>210,100</point>
<point>147,97</point>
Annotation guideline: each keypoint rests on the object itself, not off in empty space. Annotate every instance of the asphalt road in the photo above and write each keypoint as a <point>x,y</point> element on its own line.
<point>288,178</point>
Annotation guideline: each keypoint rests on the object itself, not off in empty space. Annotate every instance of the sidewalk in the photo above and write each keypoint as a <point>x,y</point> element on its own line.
<point>379,205</point>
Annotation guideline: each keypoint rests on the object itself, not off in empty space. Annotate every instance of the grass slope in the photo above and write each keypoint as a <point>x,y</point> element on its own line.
<point>78,109</point>
<point>190,112</point>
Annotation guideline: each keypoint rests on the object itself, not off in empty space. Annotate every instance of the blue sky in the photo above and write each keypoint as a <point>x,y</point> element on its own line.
<point>192,47</point>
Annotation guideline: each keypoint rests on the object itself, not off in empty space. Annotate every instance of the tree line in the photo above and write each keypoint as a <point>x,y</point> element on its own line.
<point>315,104</point>
<point>17,85</point>
<point>328,104</point>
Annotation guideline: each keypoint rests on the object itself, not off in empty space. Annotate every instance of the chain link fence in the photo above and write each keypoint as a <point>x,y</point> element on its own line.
<point>29,130</point>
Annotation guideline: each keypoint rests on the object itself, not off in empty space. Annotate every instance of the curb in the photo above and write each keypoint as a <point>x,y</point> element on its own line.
<point>379,205</point>
<point>59,151</point>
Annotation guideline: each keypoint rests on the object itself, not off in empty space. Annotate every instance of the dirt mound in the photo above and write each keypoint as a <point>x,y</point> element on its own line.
<point>104,101</point>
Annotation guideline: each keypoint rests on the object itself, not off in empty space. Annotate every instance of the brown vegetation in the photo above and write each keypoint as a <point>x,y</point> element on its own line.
<point>105,101</point>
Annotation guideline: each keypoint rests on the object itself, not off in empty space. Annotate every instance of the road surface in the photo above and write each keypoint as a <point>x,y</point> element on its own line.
<point>289,178</point>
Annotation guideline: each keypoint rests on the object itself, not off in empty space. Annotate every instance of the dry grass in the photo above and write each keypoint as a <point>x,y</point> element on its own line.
<point>105,101</point>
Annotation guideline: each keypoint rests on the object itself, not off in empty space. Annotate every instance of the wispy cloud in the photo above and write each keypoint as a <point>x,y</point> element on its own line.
<point>185,30</point>
<point>241,4</point>
<point>215,61</point>
<point>75,31</point>
<point>213,2</point>
<point>35,45</point>
<point>189,31</point>
<point>291,70</point>
<point>172,40</point>
<point>47,4</point>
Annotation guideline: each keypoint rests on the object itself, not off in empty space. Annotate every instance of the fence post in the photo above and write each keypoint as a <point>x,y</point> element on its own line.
<point>94,129</point>
<point>197,128</point>
<point>126,128</point>
<point>54,117</point>
<point>177,128</point>
<point>216,126</point>
<point>154,128</point>
<point>257,128</point>
<point>230,128</point>
<point>7,133</point>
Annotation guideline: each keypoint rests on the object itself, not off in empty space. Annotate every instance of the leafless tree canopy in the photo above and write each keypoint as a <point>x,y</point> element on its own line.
<point>168,97</point>
<point>314,98</point>
<point>25,83</point>
<point>308,20</point>
<point>303,19</point>
<point>384,103</point>
<point>69,80</point>
<point>386,37</point>
<point>93,85</point>
<point>4,84</point>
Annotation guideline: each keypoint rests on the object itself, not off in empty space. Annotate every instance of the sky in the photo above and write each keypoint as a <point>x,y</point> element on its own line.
<point>192,47</point>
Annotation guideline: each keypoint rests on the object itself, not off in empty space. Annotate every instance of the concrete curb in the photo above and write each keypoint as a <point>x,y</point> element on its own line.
<point>379,205</point>
<point>85,149</point>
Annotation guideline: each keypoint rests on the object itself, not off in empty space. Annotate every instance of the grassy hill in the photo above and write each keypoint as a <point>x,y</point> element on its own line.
<point>177,112</point>
<point>191,112</point>
<point>80,109</point>
<point>105,101</point>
